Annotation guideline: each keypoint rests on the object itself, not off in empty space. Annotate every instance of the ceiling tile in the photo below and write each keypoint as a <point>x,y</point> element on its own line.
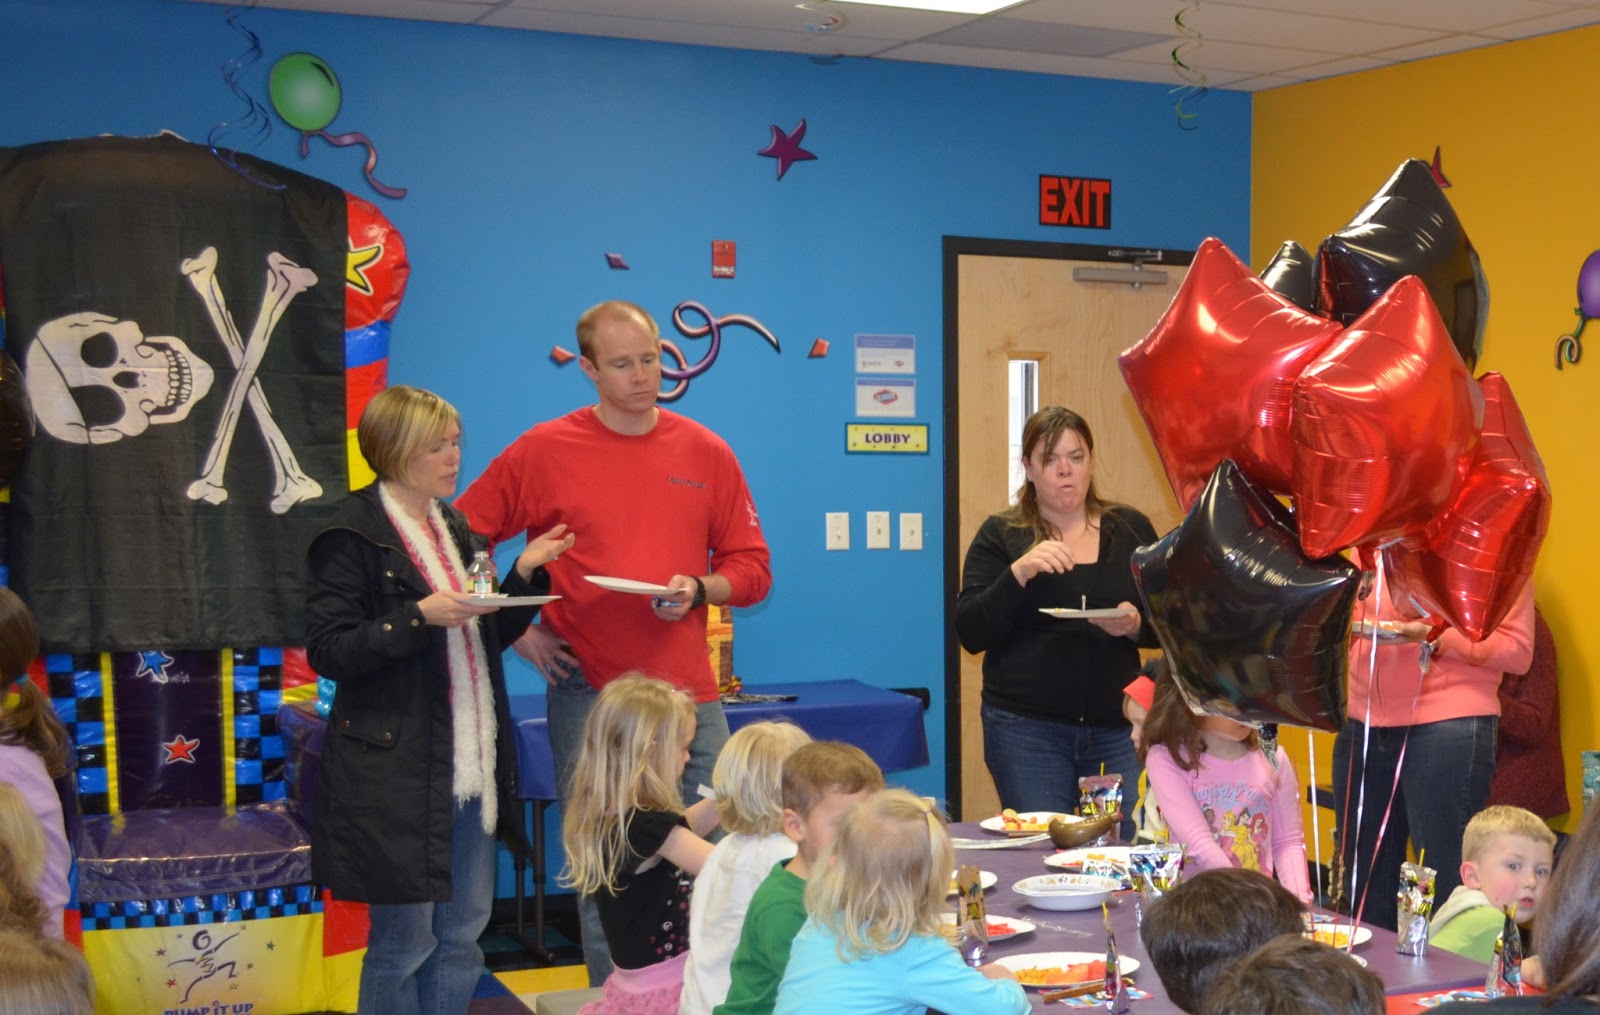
<point>871,21</point>
<point>1437,47</point>
<point>1439,15</point>
<point>1228,22</point>
<point>796,40</point>
<point>418,10</point>
<point>1572,17</point>
<point>1043,37</point>
<point>1043,63</point>
<point>1216,57</point>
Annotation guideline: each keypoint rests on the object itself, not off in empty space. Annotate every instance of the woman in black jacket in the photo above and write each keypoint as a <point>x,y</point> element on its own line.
<point>1052,688</point>
<point>419,761</point>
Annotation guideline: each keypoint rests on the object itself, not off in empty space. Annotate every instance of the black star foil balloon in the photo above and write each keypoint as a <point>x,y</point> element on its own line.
<point>1292,274</point>
<point>1253,629</point>
<point>1407,228</point>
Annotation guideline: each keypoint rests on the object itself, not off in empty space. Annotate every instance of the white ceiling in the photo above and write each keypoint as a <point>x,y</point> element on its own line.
<point>1242,44</point>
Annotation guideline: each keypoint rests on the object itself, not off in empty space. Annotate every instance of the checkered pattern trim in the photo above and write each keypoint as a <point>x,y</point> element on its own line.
<point>295,900</point>
<point>77,691</point>
<point>258,749</point>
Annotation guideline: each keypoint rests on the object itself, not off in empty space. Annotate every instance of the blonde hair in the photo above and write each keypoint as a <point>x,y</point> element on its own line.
<point>22,849</point>
<point>43,974</point>
<point>611,310</point>
<point>1502,819</point>
<point>749,777</point>
<point>823,767</point>
<point>400,423</point>
<point>627,761</point>
<point>885,877</point>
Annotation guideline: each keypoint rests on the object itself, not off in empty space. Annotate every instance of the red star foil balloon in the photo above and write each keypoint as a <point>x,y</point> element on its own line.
<point>1384,423</point>
<point>1407,228</point>
<point>1215,378</point>
<point>1480,553</point>
<point>1253,629</point>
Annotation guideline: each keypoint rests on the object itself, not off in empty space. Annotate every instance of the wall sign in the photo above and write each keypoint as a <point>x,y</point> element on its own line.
<point>1074,201</point>
<point>907,438</point>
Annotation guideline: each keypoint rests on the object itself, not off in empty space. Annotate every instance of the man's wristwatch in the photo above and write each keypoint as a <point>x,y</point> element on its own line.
<point>699,599</point>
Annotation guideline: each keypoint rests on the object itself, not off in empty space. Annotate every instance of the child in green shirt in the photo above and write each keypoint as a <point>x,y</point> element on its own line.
<point>1506,859</point>
<point>821,782</point>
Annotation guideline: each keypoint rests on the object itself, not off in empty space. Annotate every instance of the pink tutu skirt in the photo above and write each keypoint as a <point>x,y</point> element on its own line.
<point>653,990</point>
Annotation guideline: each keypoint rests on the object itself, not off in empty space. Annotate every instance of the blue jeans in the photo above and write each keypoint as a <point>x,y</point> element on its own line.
<point>1036,763</point>
<point>1445,781</point>
<point>424,957</point>
<point>568,702</point>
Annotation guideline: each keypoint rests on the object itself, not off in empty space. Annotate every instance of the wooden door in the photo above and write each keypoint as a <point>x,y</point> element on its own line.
<point>1022,304</point>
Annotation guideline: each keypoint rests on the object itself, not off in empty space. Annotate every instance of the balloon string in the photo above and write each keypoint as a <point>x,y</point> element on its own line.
<point>356,137</point>
<point>1316,830</point>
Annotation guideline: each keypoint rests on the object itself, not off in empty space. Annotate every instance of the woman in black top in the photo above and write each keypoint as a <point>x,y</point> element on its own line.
<point>1052,688</point>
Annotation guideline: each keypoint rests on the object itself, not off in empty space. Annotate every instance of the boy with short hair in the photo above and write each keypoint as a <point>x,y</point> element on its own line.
<point>1506,856</point>
<point>822,781</point>
<point>1295,975</point>
<point>1197,931</point>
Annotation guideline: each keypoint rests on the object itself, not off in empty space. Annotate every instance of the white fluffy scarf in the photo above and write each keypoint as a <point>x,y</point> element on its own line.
<point>471,700</point>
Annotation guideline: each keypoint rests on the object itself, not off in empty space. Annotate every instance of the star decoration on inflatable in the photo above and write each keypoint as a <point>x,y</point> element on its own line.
<point>153,664</point>
<point>179,748</point>
<point>1253,629</point>
<point>786,148</point>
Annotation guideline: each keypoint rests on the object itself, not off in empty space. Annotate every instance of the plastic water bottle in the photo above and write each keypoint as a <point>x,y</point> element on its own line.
<point>481,575</point>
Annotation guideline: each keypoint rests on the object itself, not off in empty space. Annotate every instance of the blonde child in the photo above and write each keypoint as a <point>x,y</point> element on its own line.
<point>43,975</point>
<point>748,780</point>
<point>822,782</point>
<point>1137,699</point>
<point>872,944</point>
<point>1221,797</point>
<point>21,863</point>
<point>631,844</point>
<point>1506,856</point>
<point>33,750</point>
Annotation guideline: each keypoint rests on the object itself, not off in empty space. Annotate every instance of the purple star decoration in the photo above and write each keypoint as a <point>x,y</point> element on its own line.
<point>786,148</point>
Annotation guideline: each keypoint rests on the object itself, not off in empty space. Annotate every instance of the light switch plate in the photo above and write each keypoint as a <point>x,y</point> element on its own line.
<point>911,530</point>
<point>838,530</point>
<point>877,530</point>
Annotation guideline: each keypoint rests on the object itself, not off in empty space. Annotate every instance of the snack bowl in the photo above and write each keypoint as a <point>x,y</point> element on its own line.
<point>1066,891</point>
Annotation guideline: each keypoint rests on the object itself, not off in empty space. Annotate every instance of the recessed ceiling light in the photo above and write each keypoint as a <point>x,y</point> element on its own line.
<point>948,6</point>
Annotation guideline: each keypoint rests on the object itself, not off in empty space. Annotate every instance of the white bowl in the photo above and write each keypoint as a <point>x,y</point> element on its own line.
<point>1066,891</point>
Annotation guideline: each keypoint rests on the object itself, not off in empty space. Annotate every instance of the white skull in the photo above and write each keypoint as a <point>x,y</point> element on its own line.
<point>94,379</point>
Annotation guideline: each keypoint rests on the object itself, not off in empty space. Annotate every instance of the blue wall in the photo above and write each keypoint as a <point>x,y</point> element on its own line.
<point>530,155</point>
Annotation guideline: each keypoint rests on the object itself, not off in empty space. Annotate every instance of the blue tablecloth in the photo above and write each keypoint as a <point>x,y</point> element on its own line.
<point>885,724</point>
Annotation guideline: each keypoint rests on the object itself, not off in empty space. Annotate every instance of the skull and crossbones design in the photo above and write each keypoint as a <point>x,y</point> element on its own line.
<point>95,379</point>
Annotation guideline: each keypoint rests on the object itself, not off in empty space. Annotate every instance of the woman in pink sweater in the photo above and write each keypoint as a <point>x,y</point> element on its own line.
<point>1425,735</point>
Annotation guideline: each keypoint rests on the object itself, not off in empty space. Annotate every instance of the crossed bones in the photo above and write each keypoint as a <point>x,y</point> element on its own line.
<point>285,281</point>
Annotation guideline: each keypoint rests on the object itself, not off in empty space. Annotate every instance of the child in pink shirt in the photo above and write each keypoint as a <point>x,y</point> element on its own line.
<point>1222,797</point>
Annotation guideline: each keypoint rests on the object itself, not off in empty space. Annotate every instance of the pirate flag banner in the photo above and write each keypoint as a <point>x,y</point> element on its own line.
<point>194,340</point>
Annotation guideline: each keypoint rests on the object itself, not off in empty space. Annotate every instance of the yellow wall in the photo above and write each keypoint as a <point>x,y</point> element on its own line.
<point>1516,128</point>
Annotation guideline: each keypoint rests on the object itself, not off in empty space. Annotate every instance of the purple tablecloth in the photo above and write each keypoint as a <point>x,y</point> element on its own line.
<point>885,724</point>
<point>1084,932</point>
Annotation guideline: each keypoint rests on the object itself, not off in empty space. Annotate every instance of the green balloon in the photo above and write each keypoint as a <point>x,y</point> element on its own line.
<point>305,91</point>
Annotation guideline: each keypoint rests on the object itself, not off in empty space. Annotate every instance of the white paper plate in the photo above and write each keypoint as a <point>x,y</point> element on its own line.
<point>1067,892</point>
<point>1074,859</point>
<point>1014,927</point>
<point>986,880</point>
<point>501,599</point>
<point>998,824</point>
<point>1334,934</point>
<point>1102,614</point>
<point>630,585</point>
<point>1045,960</point>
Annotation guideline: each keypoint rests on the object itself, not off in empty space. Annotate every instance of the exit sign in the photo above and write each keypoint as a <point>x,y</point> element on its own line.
<point>1074,201</point>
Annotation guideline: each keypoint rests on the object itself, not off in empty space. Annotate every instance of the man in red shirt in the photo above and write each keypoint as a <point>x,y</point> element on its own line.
<point>649,495</point>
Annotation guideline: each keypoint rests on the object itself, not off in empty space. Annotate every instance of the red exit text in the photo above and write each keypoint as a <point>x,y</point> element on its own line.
<point>1074,201</point>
